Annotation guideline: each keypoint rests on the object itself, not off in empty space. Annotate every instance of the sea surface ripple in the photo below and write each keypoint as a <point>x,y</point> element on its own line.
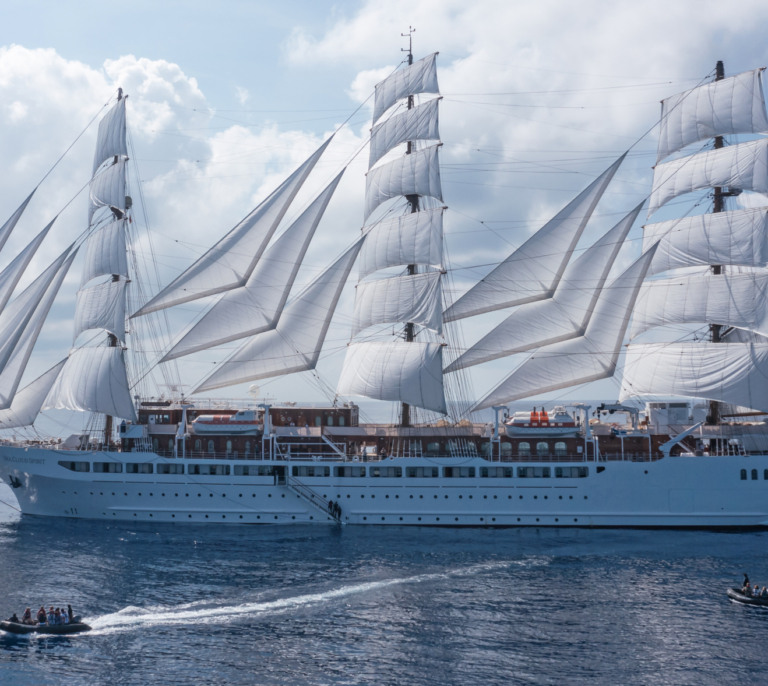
<point>182,604</point>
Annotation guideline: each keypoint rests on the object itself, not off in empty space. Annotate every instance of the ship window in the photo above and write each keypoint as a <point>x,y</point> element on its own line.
<point>421,472</point>
<point>198,446</point>
<point>743,474</point>
<point>560,449</point>
<point>754,475</point>
<point>433,449</point>
<point>506,449</point>
<point>210,446</point>
<point>496,472</point>
<point>765,474</point>
<point>266,471</point>
<point>533,472</point>
<point>318,421</point>
<point>523,449</point>
<point>459,472</point>
<point>571,472</point>
<point>75,466</point>
<point>311,471</point>
<point>247,447</point>
<point>170,445</point>
<point>229,446</point>
<point>139,468</point>
<point>352,471</point>
<point>209,469</point>
<point>170,469</point>
<point>542,448</point>
<point>330,421</point>
<point>155,445</point>
<point>341,421</point>
<point>107,467</point>
<point>387,472</point>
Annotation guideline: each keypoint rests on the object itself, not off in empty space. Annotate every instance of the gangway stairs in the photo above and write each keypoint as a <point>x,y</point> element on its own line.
<point>313,498</point>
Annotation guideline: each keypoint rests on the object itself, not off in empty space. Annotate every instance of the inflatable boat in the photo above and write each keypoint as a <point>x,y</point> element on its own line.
<point>737,596</point>
<point>55,629</point>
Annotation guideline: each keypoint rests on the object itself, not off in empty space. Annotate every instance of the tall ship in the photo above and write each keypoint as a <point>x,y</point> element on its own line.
<point>695,456</point>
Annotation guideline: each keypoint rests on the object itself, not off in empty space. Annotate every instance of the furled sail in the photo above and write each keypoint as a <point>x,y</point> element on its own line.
<point>111,137</point>
<point>728,372</point>
<point>257,306</point>
<point>563,316</point>
<point>101,307</point>
<point>719,108</point>
<point>295,344</point>
<point>17,363</point>
<point>579,360</point>
<point>738,238</point>
<point>108,189</point>
<point>230,262</point>
<point>533,271</point>
<point>419,77</point>
<point>417,124</point>
<point>10,225</point>
<point>416,299</point>
<point>413,238</point>
<point>105,253</point>
<point>29,400</point>
<point>9,277</point>
<point>739,300</point>
<point>414,174</point>
<point>93,380</point>
<point>15,318</point>
<point>411,373</point>
<point>743,166</point>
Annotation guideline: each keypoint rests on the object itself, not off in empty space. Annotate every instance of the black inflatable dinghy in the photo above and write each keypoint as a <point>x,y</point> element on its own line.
<point>55,629</point>
<point>737,596</point>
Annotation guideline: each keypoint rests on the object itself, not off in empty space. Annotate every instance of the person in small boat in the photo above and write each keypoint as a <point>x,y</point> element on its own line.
<point>57,615</point>
<point>64,616</point>
<point>756,591</point>
<point>51,616</point>
<point>26,618</point>
<point>747,591</point>
<point>14,619</point>
<point>70,613</point>
<point>41,616</point>
<point>746,582</point>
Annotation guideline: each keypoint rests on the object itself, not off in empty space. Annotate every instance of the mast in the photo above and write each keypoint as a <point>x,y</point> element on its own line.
<point>413,201</point>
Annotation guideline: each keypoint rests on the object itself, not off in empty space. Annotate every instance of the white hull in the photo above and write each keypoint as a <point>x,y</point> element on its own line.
<point>672,492</point>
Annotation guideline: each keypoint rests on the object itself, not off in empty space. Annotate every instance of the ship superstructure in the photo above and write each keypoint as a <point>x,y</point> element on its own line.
<point>695,463</point>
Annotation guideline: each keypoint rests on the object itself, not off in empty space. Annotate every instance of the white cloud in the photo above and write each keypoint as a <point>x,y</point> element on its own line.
<point>242,94</point>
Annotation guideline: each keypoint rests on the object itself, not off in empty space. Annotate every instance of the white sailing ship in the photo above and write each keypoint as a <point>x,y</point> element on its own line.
<point>175,459</point>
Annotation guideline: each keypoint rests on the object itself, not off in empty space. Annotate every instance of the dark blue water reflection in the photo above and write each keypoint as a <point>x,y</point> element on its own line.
<point>311,605</point>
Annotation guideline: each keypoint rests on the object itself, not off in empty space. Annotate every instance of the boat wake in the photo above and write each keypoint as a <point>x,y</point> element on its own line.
<point>202,612</point>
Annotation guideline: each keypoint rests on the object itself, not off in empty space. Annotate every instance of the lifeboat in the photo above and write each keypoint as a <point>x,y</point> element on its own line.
<point>243,422</point>
<point>556,422</point>
<point>54,629</point>
<point>737,596</point>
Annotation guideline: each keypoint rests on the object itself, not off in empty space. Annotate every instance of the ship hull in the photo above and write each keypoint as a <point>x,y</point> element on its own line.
<point>674,492</point>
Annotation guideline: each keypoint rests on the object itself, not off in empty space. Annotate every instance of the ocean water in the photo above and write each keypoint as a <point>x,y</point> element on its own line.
<point>184,604</point>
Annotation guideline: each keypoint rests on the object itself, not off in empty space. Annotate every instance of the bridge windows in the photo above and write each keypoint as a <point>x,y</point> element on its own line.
<point>211,447</point>
<point>198,446</point>
<point>108,467</point>
<point>253,470</point>
<point>75,466</point>
<point>247,448</point>
<point>506,449</point>
<point>561,449</point>
<point>349,471</point>
<point>542,449</point>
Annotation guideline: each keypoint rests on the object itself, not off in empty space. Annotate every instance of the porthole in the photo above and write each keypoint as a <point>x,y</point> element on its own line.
<point>92,493</point>
<point>537,519</point>
<point>646,471</point>
<point>150,514</point>
<point>206,516</point>
<point>348,496</point>
<point>585,497</point>
<point>373,496</point>
<point>460,497</point>
<point>470,497</point>
<point>521,497</point>
<point>294,517</point>
<point>386,496</point>
<point>270,495</point>
<point>200,495</point>
<point>535,497</point>
<point>382,519</point>
<point>365,519</point>
<point>176,494</point>
<point>570,497</point>
<point>187,494</point>
<point>419,518</point>
<point>190,516</point>
<point>101,494</point>
<point>283,495</point>
<point>253,495</point>
<point>437,518</point>
<point>174,516</point>
<point>210,495</point>
<point>509,497</point>
<point>240,496</point>
<point>493,519</point>
<point>241,516</point>
<point>275,516</point>
<point>113,494</point>
<point>151,494</point>
<point>134,514</point>
<point>435,497</point>
<point>494,497</point>
<point>401,519</point>
<point>396,497</point>
<point>362,496</point>
<point>546,497</point>
<point>412,497</point>
<point>561,497</point>
<point>575,520</point>
<point>485,497</point>
<point>518,519</point>
<point>456,519</point>
<point>446,497</point>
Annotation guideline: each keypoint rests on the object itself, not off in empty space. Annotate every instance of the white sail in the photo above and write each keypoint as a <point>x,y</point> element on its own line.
<point>419,77</point>
<point>416,299</point>
<point>728,372</point>
<point>579,360</point>
<point>101,307</point>
<point>230,262</point>
<point>739,300</point>
<point>105,253</point>
<point>404,372</point>
<point>295,344</point>
<point>16,316</point>
<point>93,380</point>
<point>414,174</point>
<point>738,238</point>
<point>17,363</point>
<point>9,277</point>
<point>111,138</point>
<point>563,316</point>
<point>743,166</point>
<point>28,401</point>
<point>10,225</point>
<point>257,306</point>
<point>719,108</point>
<point>533,271</point>
<point>413,238</point>
<point>417,124</point>
<point>108,189</point>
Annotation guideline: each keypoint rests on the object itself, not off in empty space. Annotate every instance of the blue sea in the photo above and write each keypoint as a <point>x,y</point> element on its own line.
<point>185,604</point>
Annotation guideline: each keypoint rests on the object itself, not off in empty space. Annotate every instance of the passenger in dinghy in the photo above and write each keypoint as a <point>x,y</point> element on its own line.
<point>64,616</point>
<point>41,616</point>
<point>51,616</point>
<point>26,618</point>
<point>14,619</point>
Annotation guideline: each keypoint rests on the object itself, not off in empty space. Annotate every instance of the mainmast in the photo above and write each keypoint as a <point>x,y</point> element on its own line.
<point>413,201</point>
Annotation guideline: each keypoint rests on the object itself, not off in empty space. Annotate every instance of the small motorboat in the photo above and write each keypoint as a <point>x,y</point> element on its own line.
<point>77,627</point>
<point>737,596</point>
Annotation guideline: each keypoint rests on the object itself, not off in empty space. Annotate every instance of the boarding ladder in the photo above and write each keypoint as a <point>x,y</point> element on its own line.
<point>310,496</point>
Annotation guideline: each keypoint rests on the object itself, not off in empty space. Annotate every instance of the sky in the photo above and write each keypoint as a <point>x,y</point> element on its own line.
<point>226,99</point>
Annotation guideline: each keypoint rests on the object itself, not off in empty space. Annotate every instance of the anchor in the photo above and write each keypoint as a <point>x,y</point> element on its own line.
<point>14,481</point>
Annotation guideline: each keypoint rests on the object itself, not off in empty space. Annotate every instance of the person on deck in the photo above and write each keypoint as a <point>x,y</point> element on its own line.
<point>41,618</point>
